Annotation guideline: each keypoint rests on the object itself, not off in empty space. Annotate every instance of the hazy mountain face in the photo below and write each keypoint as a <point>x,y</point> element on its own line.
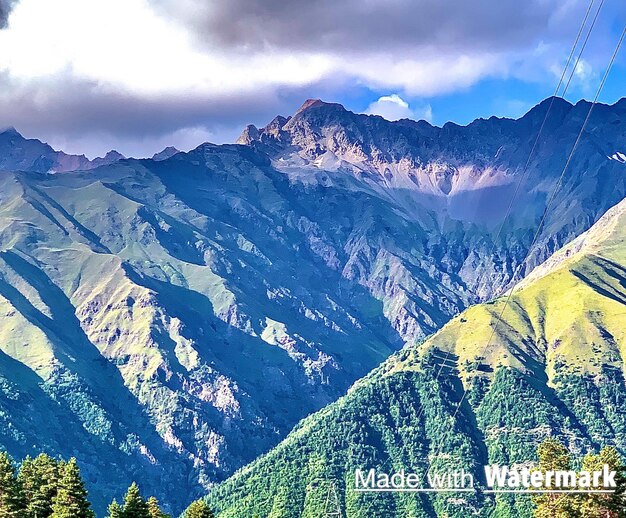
<point>463,176</point>
<point>171,319</point>
<point>554,367</point>
<point>20,154</point>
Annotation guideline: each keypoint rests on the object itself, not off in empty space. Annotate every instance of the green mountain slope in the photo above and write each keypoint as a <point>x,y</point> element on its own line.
<point>554,367</point>
<point>177,318</point>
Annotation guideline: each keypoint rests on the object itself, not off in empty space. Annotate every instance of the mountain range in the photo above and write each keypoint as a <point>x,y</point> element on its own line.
<point>173,318</point>
<point>21,154</point>
<point>552,365</point>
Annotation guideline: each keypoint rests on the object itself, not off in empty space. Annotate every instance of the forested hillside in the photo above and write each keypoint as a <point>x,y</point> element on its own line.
<point>175,317</point>
<point>553,367</point>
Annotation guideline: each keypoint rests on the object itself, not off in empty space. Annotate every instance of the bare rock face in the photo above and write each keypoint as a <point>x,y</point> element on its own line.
<point>166,153</point>
<point>465,175</point>
<point>177,317</point>
<point>20,154</point>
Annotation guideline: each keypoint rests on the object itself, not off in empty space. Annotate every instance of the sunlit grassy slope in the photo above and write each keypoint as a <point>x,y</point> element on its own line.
<point>171,320</point>
<point>570,312</point>
<point>553,365</point>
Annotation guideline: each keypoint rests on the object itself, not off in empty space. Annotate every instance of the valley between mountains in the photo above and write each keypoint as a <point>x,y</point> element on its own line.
<point>172,319</point>
<point>554,367</point>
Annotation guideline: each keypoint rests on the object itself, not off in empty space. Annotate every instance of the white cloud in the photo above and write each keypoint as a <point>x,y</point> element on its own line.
<point>393,107</point>
<point>585,76</point>
<point>126,44</point>
<point>65,64</point>
<point>426,113</point>
<point>137,46</point>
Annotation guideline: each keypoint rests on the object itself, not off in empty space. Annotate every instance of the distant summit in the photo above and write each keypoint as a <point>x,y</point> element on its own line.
<point>313,103</point>
<point>109,158</point>
<point>166,153</point>
<point>21,154</point>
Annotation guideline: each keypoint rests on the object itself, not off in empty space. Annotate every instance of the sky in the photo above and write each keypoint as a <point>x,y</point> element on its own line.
<point>88,76</point>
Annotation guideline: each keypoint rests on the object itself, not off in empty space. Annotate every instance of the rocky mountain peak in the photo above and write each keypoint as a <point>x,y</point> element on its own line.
<point>249,134</point>
<point>114,155</point>
<point>109,158</point>
<point>310,103</point>
<point>166,153</point>
<point>24,154</point>
<point>10,132</point>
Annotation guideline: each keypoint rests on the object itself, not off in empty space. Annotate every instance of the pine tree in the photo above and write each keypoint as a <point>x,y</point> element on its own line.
<point>554,456</point>
<point>602,505</point>
<point>39,478</point>
<point>134,504</point>
<point>11,497</point>
<point>154,510</point>
<point>71,498</point>
<point>115,510</point>
<point>198,509</point>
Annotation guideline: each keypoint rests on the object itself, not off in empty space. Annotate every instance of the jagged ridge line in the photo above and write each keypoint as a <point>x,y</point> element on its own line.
<point>548,206</point>
<point>524,174</point>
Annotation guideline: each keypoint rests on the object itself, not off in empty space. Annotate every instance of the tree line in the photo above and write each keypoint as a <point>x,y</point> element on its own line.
<point>44,487</point>
<point>554,456</point>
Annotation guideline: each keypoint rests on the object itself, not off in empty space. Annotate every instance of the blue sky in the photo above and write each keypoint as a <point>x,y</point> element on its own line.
<point>503,97</point>
<point>513,96</point>
<point>139,75</point>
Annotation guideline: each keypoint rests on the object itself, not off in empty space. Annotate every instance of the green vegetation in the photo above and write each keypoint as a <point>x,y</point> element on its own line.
<point>198,509</point>
<point>552,369</point>
<point>45,487</point>
<point>42,488</point>
<point>553,455</point>
<point>11,497</point>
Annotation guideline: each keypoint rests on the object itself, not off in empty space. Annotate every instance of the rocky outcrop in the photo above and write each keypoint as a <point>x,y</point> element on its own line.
<point>178,317</point>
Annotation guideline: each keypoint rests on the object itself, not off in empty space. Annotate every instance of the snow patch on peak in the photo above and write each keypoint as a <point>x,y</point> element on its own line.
<point>618,157</point>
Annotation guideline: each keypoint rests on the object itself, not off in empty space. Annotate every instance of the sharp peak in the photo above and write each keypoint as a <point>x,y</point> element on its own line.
<point>165,153</point>
<point>317,103</point>
<point>10,130</point>
<point>113,152</point>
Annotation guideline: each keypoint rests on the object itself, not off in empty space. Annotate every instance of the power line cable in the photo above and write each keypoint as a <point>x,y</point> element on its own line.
<point>525,170</point>
<point>547,208</point>
<point>582,49</point>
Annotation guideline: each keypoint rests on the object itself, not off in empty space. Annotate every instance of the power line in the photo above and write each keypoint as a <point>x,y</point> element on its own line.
<point>582,49</point>
<point>547,208</point>
<point>525,170</point>
<point>332,508</point>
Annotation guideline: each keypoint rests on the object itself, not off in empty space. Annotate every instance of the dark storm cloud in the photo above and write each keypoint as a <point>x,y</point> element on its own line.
<point>89,107</point>
<point>99,119</point>
<point>5,9</point>
<point>366,25</point>
<point>99,113</point>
